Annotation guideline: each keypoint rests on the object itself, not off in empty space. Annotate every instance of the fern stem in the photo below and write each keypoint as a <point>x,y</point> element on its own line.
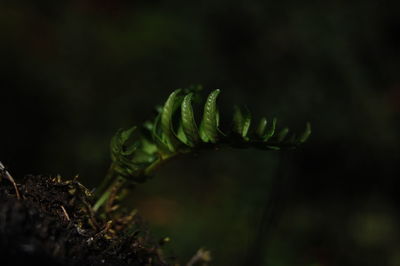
<point>104,197</point>
<point>157,163</point>
<point>119,182</point>
<point>107,185</point>
<point>106,181</point>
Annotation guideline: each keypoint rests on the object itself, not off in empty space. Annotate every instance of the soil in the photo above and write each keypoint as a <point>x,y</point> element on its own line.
<point>52,223</point>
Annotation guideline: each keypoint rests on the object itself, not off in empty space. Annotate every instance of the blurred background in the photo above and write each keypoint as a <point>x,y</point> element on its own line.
<point>74,72</point>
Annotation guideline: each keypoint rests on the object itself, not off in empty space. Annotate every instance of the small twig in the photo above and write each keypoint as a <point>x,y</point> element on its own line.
<point>75,178</point>
<point>92,220</point>
<point>65,213</point>
<point>11,179</point>
<point>106,227</point>
<point>201,255</point>
<point>109,205</point>
<point>105,230</point>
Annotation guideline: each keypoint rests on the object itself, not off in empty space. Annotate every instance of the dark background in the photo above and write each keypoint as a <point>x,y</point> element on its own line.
<point>72,73</point>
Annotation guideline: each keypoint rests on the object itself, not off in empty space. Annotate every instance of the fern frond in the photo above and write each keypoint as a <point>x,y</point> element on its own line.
<point>241,121</point>
<point>270,131</point>
<point>209,124</point>
<point>168,134</point>
<point>262,125</point>
<point>188,123</point>
<point>172,133</point>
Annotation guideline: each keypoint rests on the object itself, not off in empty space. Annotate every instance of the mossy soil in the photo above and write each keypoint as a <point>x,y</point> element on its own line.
<point>52,223</point>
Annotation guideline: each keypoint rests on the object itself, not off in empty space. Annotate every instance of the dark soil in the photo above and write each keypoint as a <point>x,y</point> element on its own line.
<point>53,224</point>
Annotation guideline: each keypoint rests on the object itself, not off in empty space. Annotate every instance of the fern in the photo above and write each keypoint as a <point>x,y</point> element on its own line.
<point>136,152</point>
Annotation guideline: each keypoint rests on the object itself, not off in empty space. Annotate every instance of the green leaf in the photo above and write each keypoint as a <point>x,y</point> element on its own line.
<point>118,141</point>
<point>126,134</point>
<point>126,166</point>
<point>188,123</point>
<point>161,145</point>
<point>306,134</point>
<point>125,171</point>
<point>115,146</point>
<point>168,111</point>
<point>134,154</point>
<point>241,120</point>
<point>129,150</point>
<point>274,148</point>
<point>181,134</point>
<point>261,127</point>
<point>237,120</point>
<point>270,131</point>
<point>282,134</point>
<point>142,157</point>
<point>209,124</point>
<point>148,146</point>
<point>148,125</point>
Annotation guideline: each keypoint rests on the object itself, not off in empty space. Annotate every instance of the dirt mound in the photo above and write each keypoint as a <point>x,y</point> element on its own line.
<point>53,224</point>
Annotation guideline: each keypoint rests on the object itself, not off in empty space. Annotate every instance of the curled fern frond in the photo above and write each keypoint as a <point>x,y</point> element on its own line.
<point>136,154</point>
<point>189,126</point>
<point>262,125</point>
<point>241,121</point>
<point>270,131</point>
<point>306,134</point>
<point>209,124</point>
<point>168,134</point>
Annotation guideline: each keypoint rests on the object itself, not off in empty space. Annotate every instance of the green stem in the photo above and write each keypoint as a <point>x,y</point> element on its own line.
<point>159,162</point>
<point>104,190</point>
<point>106,181</point>
<point>121,182</point>
<point>101,200</point>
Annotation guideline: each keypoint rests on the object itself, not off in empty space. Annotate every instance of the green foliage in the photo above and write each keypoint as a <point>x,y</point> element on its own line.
<point>136,153</point>
<point>209,124</point>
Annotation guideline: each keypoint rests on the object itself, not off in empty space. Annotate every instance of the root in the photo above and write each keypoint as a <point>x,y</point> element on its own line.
<point>11,179</point>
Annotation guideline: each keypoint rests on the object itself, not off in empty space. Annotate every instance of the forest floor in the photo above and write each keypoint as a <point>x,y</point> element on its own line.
<point>50,221</point>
